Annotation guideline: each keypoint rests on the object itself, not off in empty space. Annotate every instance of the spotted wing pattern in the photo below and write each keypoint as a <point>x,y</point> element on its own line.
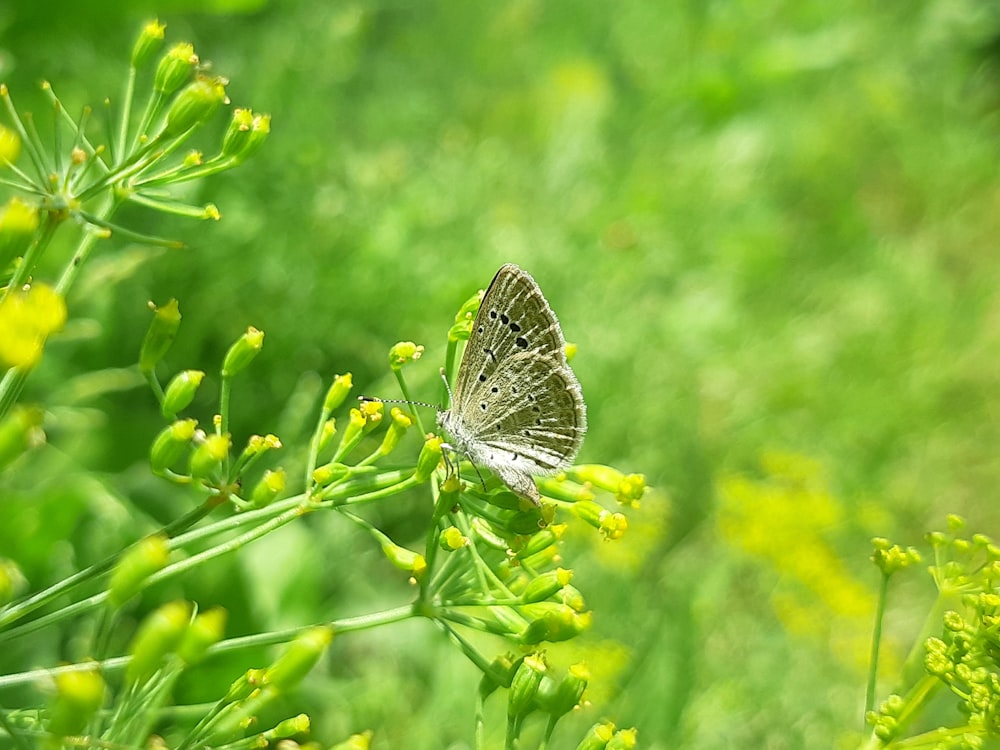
<point>517,406</point>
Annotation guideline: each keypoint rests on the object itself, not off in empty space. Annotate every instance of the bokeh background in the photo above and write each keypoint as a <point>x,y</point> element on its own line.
<point>771,228</point>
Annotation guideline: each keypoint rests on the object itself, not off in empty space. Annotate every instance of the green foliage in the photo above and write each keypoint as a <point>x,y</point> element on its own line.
<point>487,563</point>
<point>769,227</point>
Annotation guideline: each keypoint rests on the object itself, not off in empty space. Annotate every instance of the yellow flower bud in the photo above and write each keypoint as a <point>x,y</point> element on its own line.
<point>243,352</point>
<point>79,694</point>
<point>300,657</point>
<point>137,564</point>
<point>150,40</point>
<point>160,334</point>
<point>158,635</point>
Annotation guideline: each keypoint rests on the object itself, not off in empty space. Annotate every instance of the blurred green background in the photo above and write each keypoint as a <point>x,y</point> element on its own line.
<point>771,228</point>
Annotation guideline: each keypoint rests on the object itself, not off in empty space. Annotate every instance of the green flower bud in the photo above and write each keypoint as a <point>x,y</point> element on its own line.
<point>12,581</point>
<point>245,685</point>
<point>465,317</point>
<point>258,444</point>
<point>373,412</point>
<point>159,635</point>
<point>194,105</point>
<point>572,598</point>
<point>301,656</point>
<point>552,622</point>
<point>19,431</point>
<point>10,147</point>
<point>624,739</point>
<point>361,741</point>
<point>559,697</point>
<point>175,68</point>
<point>542,539</point>
<point>243,352</point>
<point>630,490</point>
<point>611,525</point>
<point>18,224</point>
<point>332,472</point>
<point>148,43</point>
<point>545,585</point>
<point>327,435</point>
<point>500,674</point>
<point>401,422</point>
<point>404,559</point>
<point>506,621</point>
<point>429,459</point>
<point>160,334</point>
<point>597,737</point>
<point>180,392</point>
<point>559,489</point>
<point>246,134</point>
<point>403,352</point>
<point>268,488</point>
<point>452,539</point>
<point>339,389</point>
<point>208,457</point>
<point>505,499</point>
<point>172,443</point>
<point>352,435</point>
<point>525,684</point>
<point>297,725</point>
<point>79,694</point>
<point>138,563</point>
<point>205,630</point>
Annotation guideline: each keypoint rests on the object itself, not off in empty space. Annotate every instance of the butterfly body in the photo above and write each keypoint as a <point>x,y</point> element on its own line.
<point>517,408</point>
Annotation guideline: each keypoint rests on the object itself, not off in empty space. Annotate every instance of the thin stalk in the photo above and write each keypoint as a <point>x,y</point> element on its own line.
<point>117,663</point>
<point>38,245</point>
<point>166,573</point>
<point>30,146</point>
<point>127,98</point>
<point>406,395</point>
<point>84,248</point>
<point>172,530</point>
<point>883,592</point>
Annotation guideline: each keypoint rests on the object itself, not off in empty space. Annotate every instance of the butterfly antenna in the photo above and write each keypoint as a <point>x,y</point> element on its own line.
<point>399,401</point>
<point>447,386</point>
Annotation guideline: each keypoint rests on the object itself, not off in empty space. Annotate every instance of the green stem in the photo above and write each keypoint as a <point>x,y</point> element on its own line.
<point>10,389</point>
<point>225,394</point>
<point>369,497</point>
<point>404,389</point>
<point>78,129</point>
<point>30,146</point>
<point>883,593</point>
<point>84,248</point>
<point>170,571</point>
<point>127,99</point>
<point>313,456</point>
<point>184,173</point>
<point>38,245</point>
<point>117,663</point>
<point>172,530</point>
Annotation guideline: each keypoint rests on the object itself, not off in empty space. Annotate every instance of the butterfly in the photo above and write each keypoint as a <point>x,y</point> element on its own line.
<point>516,407</point>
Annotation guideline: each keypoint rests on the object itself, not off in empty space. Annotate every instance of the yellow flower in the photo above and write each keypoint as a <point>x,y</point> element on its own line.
<point>27,318</point>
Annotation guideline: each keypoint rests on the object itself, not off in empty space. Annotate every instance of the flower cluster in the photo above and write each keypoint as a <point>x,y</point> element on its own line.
<point>964,657</point>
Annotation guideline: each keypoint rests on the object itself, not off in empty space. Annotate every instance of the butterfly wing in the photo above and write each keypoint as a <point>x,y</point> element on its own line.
<point>531,415</point>
<point>513,317</point>
<point>517,408</point>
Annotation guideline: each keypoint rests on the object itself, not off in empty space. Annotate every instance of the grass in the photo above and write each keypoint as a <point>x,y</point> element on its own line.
<point>770,229</point>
